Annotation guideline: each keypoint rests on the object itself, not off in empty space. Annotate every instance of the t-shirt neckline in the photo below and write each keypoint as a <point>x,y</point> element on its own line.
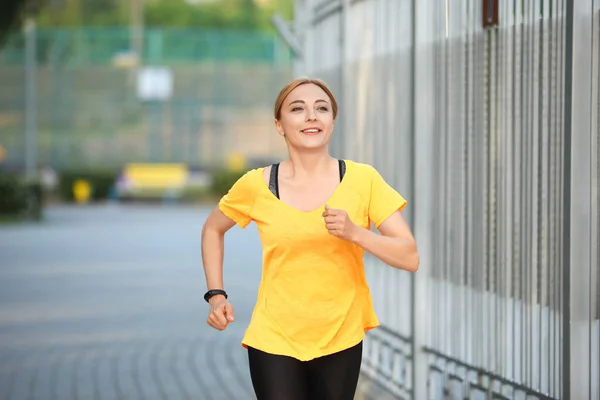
<point>321,207</point>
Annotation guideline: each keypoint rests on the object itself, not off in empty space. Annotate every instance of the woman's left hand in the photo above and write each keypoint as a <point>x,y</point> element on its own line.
<point>338,223</point>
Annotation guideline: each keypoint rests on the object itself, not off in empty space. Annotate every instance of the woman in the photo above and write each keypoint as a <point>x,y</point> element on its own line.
<point>313,214</point>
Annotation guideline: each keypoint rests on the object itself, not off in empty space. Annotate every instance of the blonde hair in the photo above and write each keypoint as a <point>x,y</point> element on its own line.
<point>287,89</point>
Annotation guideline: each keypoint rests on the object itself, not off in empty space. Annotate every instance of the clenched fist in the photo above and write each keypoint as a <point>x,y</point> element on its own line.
<point>338,223</point>
<point>221,313</point>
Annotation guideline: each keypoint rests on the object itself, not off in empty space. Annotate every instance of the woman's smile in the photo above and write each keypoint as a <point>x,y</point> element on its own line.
<point>311,131</point>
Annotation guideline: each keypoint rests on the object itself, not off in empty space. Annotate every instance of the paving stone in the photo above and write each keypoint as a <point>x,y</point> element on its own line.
<point>105,302</point>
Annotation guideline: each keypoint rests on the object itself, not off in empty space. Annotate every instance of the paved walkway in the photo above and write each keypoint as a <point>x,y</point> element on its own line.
<point>105,302</point>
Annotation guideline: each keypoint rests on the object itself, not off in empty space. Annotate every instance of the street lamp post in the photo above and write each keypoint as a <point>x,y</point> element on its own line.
<point>31,95</point>
<point>137,30</point>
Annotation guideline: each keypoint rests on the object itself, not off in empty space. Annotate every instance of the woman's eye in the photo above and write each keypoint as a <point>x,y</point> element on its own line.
<point>324,109</point>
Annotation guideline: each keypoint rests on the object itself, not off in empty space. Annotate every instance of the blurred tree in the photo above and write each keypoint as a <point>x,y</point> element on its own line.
<point>249,14</point>
<point>85,12</point>
<point>225,14</point>
<point>104,12</point>
<point>13,13</point>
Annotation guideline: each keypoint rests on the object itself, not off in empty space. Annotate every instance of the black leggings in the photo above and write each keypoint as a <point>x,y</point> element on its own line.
<point>332,377</point>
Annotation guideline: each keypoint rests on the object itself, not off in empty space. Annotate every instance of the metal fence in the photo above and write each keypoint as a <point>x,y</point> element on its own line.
<point>485,115</point>
<point>82,46</point>
<point>88,112</point>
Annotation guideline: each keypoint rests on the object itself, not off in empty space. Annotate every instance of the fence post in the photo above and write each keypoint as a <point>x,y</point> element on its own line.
<point>577,261</point>
<point>423,92</point>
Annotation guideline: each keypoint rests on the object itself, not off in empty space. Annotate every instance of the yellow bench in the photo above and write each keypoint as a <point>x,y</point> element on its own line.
<point>152,180</point>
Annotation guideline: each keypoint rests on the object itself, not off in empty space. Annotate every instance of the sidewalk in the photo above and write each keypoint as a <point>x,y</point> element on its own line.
<point>369,390</point>
<point>120,314</point>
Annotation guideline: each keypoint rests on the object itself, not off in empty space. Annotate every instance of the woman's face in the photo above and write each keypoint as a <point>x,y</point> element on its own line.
<point>306,117</point>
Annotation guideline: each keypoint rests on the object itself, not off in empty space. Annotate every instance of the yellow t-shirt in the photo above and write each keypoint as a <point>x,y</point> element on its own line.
<point>313,299</point>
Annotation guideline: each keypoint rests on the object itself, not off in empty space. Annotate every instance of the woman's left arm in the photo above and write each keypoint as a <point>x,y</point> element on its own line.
<point>395,246</point>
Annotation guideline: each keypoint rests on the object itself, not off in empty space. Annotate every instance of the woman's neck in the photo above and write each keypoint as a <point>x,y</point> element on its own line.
<point>309,164</point>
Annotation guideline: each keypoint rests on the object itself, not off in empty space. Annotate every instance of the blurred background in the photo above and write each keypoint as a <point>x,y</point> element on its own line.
<point>122,122</point>
<point>89,87</point>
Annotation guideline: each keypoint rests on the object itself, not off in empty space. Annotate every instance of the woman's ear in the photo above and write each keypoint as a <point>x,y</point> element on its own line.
<point>279,128</point>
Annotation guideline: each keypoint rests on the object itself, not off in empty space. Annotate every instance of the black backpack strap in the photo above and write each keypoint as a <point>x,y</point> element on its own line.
<point>342,164</point>
<point>273,181</point>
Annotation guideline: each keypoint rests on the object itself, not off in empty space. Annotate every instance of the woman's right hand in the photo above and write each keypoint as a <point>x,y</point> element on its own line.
<point>221,312</point>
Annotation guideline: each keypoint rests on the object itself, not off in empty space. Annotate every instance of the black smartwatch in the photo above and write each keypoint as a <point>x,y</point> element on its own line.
<point>214,292</point>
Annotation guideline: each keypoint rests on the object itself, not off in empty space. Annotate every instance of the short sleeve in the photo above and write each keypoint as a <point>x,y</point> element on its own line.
<point>237,204</point>
<point>384,201</point>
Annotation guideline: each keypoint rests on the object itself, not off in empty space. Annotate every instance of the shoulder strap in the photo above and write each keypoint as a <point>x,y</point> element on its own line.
<point>342,164</point>
<point>273,181</point>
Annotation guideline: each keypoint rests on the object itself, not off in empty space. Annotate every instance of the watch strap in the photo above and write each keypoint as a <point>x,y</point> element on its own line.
<point>214,292</point>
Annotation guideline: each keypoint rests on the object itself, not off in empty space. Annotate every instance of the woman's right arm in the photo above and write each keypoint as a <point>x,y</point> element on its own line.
<point>213,238</point>
<point>235,207</point>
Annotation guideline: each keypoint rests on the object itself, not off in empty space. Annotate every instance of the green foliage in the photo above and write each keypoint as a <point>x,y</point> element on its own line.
<point>222,14</point>
<point>14,13</point>
<point>10,197</point>
<point>198,195</point>
<point>74,13</point>
<point>101,180</point>
<point>223,180</point>
<point>19,198</point>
